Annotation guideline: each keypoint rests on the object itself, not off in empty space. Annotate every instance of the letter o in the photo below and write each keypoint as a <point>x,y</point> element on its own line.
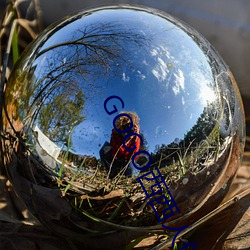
<point>126,130</point>
<point>139,152</point>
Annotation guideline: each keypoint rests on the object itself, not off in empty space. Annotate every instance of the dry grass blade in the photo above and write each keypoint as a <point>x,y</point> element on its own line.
<point>28,25</point>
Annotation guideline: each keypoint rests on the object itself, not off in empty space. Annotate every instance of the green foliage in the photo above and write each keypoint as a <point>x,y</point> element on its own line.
<point>116,210</point>
<point>69,184</point>
<point>59,116</point>
<point>203,126</point>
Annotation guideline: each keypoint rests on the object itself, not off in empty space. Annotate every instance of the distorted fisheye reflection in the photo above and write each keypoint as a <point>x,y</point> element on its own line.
<point>114,155</point>
<point>180,95</point>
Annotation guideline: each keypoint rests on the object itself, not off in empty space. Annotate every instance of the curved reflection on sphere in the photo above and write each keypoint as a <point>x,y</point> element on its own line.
<point>189,112</point>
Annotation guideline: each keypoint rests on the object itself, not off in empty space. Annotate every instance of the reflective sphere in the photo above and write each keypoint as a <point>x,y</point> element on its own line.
<point>64,156</point>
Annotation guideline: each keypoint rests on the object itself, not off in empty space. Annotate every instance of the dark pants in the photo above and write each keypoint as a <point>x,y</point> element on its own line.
<point>117,166</point>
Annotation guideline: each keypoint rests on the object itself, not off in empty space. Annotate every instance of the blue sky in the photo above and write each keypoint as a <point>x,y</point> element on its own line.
<point>166,79</point>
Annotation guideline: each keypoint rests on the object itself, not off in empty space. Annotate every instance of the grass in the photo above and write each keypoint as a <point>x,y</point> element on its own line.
<point>84,190</point>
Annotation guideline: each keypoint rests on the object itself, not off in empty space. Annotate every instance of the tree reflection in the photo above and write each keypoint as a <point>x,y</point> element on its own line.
<point>203,126</point>
<point>56,117</point>
<point>19,85</point>
<point>66,74</point>
<point>199,145</point>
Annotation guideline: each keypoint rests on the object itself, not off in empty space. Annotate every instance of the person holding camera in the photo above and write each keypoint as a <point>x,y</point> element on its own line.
<point>116,158</point>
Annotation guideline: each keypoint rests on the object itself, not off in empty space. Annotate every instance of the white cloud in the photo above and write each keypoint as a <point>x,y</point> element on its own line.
<point>142,76</point>
<point>179,82</point>
<point>154,52</point>
<point>125,78</point>
<point>206,93</point>
<point>183,100</point>
<point>161,70</point>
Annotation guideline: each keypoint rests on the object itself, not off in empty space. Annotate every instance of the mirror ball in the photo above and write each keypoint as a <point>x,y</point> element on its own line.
<point>177,126</point>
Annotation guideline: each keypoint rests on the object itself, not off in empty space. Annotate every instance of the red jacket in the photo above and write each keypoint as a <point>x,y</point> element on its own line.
<point>117,140</point>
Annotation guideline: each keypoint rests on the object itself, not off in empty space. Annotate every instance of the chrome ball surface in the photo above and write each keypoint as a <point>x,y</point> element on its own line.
<point>187,109</point>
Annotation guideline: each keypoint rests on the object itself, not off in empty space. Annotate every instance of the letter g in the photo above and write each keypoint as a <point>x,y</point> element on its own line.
<point>115,108</point>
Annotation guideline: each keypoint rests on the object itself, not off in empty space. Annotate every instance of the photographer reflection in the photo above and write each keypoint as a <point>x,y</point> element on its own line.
<point>116,158</point>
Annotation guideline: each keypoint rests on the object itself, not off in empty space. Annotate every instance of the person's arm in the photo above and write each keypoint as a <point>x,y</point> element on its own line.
<point>134,139</point>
